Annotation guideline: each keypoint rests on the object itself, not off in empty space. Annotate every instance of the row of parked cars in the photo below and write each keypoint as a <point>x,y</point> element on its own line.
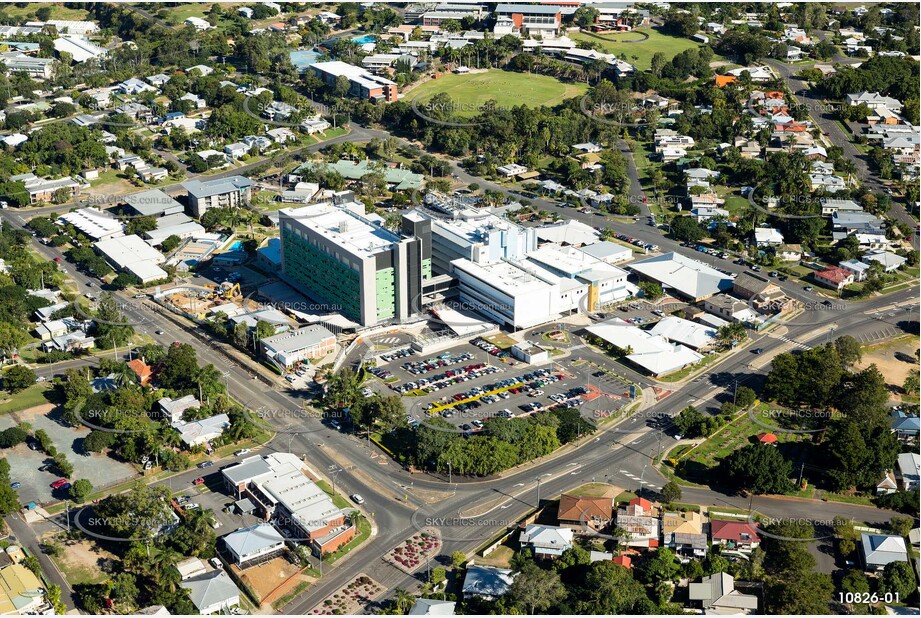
<point>490,348</point>
<point>392,356</point>
<point>638,243</point>
<point>446,379</point>
<point>445,360</point>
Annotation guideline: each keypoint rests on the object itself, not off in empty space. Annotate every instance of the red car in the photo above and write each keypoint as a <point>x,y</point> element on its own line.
<point>199,481</point>
<point>59,483</point>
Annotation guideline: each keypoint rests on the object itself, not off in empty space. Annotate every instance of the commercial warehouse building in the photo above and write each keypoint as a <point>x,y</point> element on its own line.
<point>132,255</point>
<point>281,492</point>
<point>686,277</point>
<point>341,256</point>
<point>292,347</point>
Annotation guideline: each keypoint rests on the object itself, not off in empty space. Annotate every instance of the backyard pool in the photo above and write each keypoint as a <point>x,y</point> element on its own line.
<point>366,38</point>
<point>236,246</point>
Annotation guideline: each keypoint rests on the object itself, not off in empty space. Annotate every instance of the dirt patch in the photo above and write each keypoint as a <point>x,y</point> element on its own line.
<point>896,361</point>
<point>29,413</point>
<point>81,561</point>
<point>265,578</point>
<point>596,490</point>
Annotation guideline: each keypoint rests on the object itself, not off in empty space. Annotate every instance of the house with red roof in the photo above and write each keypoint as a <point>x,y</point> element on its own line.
<point>739,536</point>
<point>834,277</point>
<point>142,370</point>
<point>623,561</point>
<point>641,519</point>
<point>766,438</point>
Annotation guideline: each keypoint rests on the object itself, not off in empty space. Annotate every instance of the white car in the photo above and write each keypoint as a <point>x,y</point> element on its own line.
<point>357,499</point>
<point>216,562</point>
<point>241,452</point>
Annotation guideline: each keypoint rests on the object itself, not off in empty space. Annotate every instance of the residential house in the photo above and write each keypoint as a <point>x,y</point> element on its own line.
<point>282,135</point>
<point>909,465</point>
<point>254,545</point>
<point>732,309</point>
<point>486,582</point>
<point>197,101</point>
<point>860,269</point>
<point>212,593</point>
<point>736,536</point>
<point>716,594</point>
<point>830,206</point>
<point>683,533</point>
<point>174,409</point>
<point>890,261</point>
<point>874,101</point>
<point>889,484</point>
<point>905,426</point>
<point>237,150</point>
<point>133,86</point>
<point>21,591</point>
<point>584,513</point>
<point>194,433</point>
<point>432,607</point>
<point>878,550</point>
<point>198,23</point>
<point>49,190</point>
<point>546,541</point>
<point>142,371</point>
<point>641,520</point>
<point>768,237</point>
<point>834,277</point>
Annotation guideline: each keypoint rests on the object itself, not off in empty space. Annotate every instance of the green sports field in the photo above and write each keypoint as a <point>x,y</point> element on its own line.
<point>615,43</point>
<point>470,92</point>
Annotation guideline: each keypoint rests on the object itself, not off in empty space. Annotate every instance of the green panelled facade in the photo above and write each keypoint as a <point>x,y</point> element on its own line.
<point>385,292</point>
<point>323,274</point>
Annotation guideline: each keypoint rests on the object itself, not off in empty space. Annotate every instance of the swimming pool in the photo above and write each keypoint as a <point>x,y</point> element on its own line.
<point>236,246</point>
<point>367,38</point>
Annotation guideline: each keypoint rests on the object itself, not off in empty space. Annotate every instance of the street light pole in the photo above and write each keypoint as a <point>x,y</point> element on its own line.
<point>538,492</point>
<point>449,473</point>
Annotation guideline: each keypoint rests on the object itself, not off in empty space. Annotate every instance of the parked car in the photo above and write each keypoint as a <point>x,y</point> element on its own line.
<point>241,452</point>
<point>206,464</point>
<point>58,484</point>
<point>199,481</point>
<point>15,484</point>
<point>357,499</point>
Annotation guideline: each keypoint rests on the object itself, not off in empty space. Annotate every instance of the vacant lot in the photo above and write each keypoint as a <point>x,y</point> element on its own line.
<point>82,562</point>
<point>896,361</point>
<point>469,93</point>
<point>640,53</point>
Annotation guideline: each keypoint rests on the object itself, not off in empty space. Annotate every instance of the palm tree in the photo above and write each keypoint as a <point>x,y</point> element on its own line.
<point>403,601</point>
<point>163,568</point>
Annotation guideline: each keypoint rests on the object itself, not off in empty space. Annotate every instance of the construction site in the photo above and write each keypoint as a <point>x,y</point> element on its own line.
<point>203,301</point>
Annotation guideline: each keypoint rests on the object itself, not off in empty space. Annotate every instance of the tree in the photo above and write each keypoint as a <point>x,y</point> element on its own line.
<point>170,242</point>
<point>586,16</point>
<point>898,578</point>
<point>901,525</point>
<point>12,436</point>
<point>731,333</point>
<point>536,589</point>
<point>458,559</point>
<point>17,378</point>
<point>671,492</point>
<point>139,225</point>
<point>911,384</point>
<point>849,350</point>
<point>661,566</point>
<point>651,290</point>
<point>745,396</point>
<point>80,490</point>
<point>759,468</point>
<point>686,229</point>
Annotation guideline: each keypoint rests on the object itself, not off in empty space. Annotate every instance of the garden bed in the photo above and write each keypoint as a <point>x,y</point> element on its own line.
<point>415,551</point>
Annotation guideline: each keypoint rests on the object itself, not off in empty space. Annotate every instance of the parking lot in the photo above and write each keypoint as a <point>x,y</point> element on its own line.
<point>467,384</point>
<point>24,462</point>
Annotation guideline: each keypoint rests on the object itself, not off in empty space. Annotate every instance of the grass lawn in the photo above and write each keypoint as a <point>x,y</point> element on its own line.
<point>35,395</point>
<point>501,340</point>
<point>592,490</point>
<point>364,531</point>
<point>470,92</point>
<point>615,43</point>
<point>58,11</point>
